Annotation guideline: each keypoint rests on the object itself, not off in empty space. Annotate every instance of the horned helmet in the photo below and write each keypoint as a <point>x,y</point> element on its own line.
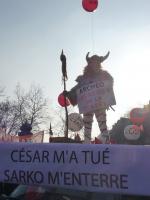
<point>96,58</point>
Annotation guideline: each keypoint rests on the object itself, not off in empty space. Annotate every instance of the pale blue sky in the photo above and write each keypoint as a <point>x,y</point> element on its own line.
<point>33,33</point>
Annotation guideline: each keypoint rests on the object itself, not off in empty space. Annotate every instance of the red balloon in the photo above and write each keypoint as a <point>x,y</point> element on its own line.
<point>63,101</point>
<point>89,5</point>
<point>137,115</point>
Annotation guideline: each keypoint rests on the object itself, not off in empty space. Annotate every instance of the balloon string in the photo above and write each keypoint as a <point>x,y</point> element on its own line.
<point>92,33</point>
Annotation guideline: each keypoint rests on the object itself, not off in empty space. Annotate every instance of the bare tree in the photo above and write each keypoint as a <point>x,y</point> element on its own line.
<point>30,105</point>
<point>8,117</point>
<point>19,103</point>
<point>35,106</point>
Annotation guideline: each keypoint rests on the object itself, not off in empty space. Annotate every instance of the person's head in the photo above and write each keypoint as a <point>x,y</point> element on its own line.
<point>94,63</point>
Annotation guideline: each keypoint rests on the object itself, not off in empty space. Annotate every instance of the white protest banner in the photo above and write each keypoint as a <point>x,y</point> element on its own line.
<point>95,95</point>
<point>35,138</point>
<point>5,137</point>
<point>104,168</point>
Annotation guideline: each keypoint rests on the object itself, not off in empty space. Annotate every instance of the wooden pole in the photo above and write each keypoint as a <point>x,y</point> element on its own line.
<point>64,77</point>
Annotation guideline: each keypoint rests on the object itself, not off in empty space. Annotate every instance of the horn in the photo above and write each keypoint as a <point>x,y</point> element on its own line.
<point>87,57</point>
<point>104,57</point>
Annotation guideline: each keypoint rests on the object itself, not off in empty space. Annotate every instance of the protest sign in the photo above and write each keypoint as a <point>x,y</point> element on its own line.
<point>101,168</point>
<point>95,95</point>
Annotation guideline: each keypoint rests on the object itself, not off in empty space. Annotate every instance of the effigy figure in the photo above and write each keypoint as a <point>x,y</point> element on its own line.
<point>94,95</point>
